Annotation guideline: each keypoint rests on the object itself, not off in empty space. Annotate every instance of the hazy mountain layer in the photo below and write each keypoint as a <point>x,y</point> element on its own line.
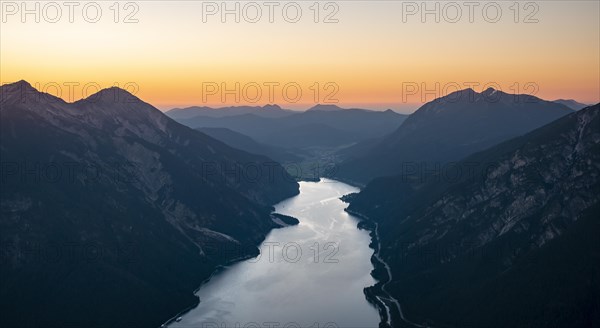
<point>264,111</point>
<point>574,105</point>
<point>330,127</point>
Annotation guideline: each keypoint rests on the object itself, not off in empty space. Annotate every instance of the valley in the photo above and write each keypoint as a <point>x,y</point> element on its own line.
<point>300,164</point>
<point>231,206</point>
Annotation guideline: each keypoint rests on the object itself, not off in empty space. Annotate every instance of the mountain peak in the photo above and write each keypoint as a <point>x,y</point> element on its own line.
<point>114,103</point>
<point>322,107</point>
<point>271,107</point>
<point>21,85</point>
<point>458,95</point>
<point>489,92</point>
<point>112,95</point>
<point>22,92</point>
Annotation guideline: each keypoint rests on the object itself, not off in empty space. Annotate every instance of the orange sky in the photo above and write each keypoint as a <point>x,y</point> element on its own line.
<point>176,54</point>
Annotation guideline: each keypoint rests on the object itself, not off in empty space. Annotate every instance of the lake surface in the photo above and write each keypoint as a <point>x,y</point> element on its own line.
<point>309,275</point>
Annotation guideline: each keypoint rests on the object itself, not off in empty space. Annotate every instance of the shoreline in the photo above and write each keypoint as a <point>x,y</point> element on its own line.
<point>377,294</point>
<point>371,297</point>
<point>218,269</point>
<point>221,267</point>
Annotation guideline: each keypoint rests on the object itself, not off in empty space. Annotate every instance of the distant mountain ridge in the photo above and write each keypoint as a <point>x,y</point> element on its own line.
<point>163,204</point>
<point>450,128</point>
<point>333,127</point>
<point>332,108</point>
<point>571,103</point>
<point>325,108</point>
<point>263,111</point>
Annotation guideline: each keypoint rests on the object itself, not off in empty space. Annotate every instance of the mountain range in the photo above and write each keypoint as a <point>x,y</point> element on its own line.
<point>112,213</point>
<point>320,126</point>
<point>507,237</point>
<point>447,129</point>
<point>483,206</point>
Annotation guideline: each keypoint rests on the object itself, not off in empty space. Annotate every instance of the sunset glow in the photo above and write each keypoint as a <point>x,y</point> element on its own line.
<point>170,56</point>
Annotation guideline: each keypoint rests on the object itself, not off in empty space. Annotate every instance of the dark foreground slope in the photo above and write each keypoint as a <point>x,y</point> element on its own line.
<point>506,238</point>
<point>448,129</point>
<point>112,213</point>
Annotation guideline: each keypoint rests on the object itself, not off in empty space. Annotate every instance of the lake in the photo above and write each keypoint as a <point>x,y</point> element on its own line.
<point>309,275</point>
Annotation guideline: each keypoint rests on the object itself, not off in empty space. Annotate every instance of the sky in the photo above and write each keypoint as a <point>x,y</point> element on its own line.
<point>368,54</point>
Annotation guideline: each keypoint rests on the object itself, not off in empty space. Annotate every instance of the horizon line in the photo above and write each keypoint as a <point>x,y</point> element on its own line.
<point>398,107</point>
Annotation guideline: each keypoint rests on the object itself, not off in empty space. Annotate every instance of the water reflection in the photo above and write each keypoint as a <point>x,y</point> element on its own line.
<point>309,275</point>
